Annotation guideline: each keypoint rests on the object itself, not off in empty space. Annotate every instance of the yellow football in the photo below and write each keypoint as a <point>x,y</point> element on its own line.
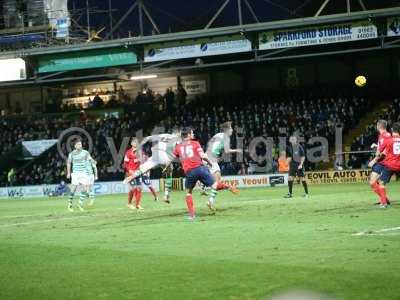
<point>360,81</point>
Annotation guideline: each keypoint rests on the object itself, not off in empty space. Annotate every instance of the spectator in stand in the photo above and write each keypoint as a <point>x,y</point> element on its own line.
<point>62,189</point>
<point>18,109</point>
<point>181,95</point>
<point>242,169</point>
<point>11,177</point>
<point>97,101</point>
<point>169,100</point>
<point>283,166</point>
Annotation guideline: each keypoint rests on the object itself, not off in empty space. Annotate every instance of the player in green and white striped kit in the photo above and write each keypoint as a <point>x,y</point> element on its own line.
<point>93,176</point>
<point>78,163</point>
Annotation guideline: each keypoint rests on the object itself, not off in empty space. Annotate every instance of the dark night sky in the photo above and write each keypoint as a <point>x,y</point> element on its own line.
<point>179,15</point>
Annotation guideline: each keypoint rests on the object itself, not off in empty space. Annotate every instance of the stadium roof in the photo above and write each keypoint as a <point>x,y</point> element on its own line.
<point>179,15</point>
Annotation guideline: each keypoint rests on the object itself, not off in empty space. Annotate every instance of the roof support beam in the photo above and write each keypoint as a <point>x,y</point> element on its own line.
<point>321,8</point>
<point>239,4</point>
<point>251,11</point>
<point>151,19</point>
<point>362,5</point>
<point>217,14</point>
<point>133,6</point>
<point>348,7</point>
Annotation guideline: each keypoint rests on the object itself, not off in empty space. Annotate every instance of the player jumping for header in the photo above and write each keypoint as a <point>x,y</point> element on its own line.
<point>162,148</point>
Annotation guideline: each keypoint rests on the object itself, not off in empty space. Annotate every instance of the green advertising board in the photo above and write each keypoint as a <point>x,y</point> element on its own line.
<point>85,60</point>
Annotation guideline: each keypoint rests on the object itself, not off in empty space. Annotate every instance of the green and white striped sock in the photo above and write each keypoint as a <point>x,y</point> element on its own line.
<point>168,186</point>
<point>82,197</point>
<point>70,199</point>
<point>91,196</point>
<point>213,194</point>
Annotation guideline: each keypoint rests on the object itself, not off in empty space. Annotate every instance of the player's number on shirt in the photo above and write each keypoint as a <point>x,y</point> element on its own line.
<point>396,148</point>
<point>187,151</point>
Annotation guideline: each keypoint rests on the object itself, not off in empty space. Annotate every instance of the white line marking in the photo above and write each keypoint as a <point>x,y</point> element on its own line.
<point>376,232</point>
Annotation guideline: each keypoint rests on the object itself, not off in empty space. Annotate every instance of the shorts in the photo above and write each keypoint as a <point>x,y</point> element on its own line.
<point>214,168</point>
<point>201,174</point>
<point>146,180</point>
<point>135,182</point>
<point>159,157</point>
<point>294,171</point>
<point>80,179</point>
<point>384,173</point>
<point>91,179</point>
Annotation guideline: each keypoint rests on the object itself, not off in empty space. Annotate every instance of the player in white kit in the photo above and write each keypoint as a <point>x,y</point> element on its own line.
<point>162,149</point>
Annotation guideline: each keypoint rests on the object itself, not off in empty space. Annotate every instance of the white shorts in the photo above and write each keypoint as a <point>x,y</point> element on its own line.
<point>158,158</point>
<point>214,168</point>
<point>91,179</point>
<point>80,179</point>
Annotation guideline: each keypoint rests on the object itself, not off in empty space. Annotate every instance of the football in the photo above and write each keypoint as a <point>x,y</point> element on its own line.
<point>360,81</point>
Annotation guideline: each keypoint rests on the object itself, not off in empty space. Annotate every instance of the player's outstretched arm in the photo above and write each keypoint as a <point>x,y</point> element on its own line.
<point>205,158</point>
<point>96,174</point>
<point>377,157</point>
<point>69,168</point>
<point>229,151</point>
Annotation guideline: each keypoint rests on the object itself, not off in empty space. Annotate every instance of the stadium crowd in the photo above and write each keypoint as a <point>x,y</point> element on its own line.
<point>251,117</point>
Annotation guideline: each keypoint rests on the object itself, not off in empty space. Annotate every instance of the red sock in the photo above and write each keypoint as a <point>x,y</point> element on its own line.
<point>190,204</point>
<point>138,197</point>
<point>380,191</point>
<point>375,188</point>
<point>382,194</point>
<point>153,191</point>
<point>222,186</point>
<point>130,196</point>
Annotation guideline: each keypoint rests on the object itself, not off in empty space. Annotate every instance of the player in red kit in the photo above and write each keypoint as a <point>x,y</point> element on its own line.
<point>147,181</point>
<point>192,156</point>
<point>386,161</point>
<point>132,164</point>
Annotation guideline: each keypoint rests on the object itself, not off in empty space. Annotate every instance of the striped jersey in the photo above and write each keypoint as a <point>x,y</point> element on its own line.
<point>79,160</point>
<point>89,167</point>
<point>216,146</point>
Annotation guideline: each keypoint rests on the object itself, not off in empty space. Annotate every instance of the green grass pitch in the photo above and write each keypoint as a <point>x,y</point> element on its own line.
<point>256,245</point>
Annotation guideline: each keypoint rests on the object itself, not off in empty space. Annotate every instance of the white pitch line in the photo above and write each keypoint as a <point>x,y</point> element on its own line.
<point>376,231</point>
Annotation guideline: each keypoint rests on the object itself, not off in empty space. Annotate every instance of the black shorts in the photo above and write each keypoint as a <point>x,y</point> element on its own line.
<point>294,171</point>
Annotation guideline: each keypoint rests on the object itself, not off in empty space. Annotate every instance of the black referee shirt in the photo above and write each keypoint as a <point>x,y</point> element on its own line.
<point>295,152</point>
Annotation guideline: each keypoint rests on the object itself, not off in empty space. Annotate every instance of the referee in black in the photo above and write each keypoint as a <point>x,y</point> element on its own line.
<point>296,157</point>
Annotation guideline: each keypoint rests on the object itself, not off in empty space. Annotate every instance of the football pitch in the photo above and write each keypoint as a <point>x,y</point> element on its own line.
<point>256,245</point>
